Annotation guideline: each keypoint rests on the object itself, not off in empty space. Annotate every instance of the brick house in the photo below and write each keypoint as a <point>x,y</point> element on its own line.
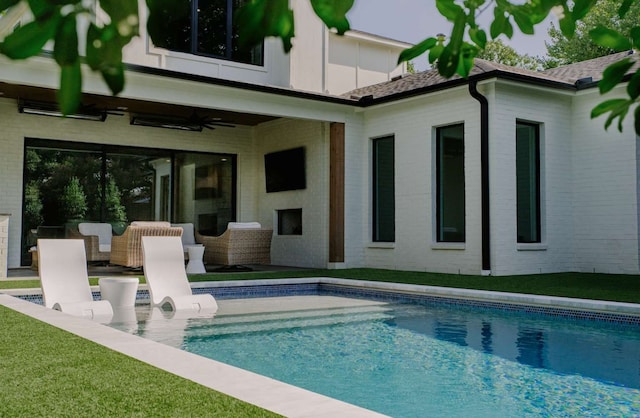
<point>502,173</point>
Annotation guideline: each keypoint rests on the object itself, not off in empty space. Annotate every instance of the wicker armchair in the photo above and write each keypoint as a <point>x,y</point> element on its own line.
<point>97,239</point>
<point>126,249</point>
<point>239,244</point>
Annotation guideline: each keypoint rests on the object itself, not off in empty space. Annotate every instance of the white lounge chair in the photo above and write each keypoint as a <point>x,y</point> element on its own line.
<point>62,267</point>
<point>164,271</point>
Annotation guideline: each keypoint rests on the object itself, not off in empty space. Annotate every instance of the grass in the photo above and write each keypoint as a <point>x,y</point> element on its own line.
<point>49,372</point>
<point>612,287</point>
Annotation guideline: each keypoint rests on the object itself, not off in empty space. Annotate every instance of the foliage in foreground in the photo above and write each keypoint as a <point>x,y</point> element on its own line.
<point>104,39</point>
<point>49,372</point>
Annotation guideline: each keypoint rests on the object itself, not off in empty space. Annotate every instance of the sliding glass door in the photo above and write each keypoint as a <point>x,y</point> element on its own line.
<point>68,182</point>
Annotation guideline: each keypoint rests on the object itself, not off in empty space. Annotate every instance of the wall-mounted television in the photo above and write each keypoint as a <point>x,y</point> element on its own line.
<point>285,170</point>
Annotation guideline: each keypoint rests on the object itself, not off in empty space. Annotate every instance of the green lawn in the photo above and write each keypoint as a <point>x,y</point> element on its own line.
<point>613,287</point>
<point>49,372</point>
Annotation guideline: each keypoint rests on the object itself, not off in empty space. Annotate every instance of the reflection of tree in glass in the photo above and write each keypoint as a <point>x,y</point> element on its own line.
<point>133,177</point>
<point>212,27</point>
<point>74,201</point>
<point>32,206</point>
<point>116,211</point>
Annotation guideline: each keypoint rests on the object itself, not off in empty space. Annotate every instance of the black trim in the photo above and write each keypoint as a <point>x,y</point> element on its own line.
<point>484,173</point>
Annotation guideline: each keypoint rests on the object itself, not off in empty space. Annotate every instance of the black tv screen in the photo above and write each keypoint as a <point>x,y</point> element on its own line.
<point>285,170</point>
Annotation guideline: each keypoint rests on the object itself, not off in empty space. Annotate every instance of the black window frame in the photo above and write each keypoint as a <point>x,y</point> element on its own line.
<point>461,238</point>
<point>230,34</point>
<point>377,213</point>
<point>538,192</point>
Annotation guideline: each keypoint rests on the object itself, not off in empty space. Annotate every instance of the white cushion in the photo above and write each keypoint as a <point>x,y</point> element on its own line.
<point>161,224</point>
<point>104,248</point>
<point>188,236</point>
<point>102,230</point>
<point>243,225</point>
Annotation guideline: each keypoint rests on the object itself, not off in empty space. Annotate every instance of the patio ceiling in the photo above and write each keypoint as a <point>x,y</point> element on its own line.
<point>120,105</point>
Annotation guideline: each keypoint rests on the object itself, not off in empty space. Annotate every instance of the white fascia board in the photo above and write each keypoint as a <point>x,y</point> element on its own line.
<point>44,72</point>
<point>375,39</point>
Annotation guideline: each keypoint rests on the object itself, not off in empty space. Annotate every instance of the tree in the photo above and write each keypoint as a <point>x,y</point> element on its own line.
<point>581,47</point>
<point>497,51</point>
<point>56,20</point>
<point>74,201</point>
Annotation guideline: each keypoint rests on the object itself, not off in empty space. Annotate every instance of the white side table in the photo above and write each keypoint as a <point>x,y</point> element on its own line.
<point>195,264</point>
<point>119,291</point>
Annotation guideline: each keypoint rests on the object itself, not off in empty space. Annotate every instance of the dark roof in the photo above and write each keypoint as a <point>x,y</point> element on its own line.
<point>413,84</point>
<point>591,68</point>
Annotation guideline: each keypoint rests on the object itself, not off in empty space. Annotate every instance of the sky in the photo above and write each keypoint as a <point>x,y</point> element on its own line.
<point>414,20</point>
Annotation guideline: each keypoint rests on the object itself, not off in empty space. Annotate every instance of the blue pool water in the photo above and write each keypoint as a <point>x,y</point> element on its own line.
<point>409,360</point>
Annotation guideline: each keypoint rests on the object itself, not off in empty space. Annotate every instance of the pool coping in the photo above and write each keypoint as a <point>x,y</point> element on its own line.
<point>259,390</point>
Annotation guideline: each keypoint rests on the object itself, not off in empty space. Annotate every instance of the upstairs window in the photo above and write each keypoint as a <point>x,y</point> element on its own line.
<point>206,27</point>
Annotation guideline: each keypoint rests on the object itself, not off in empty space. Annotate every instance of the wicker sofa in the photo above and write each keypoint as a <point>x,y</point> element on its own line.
<point>241,243</point>
<point>126,249</point>
<point>97,240</point>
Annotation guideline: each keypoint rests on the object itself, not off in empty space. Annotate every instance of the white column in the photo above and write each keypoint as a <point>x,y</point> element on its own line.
<point>4,243</point>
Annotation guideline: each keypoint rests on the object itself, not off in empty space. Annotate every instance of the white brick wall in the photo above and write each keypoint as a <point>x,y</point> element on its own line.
<point>311,249</point>
<point>4,243</point>
<point>605,183</point>
<point>509,104</point>
<point>413,124</point>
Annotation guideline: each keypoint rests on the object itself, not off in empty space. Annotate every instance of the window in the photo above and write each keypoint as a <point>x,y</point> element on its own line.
<point>70,182</point>
<point>206,27</point>
<point>384,205</point>
<point>528,182</point>
<point>450,203</point>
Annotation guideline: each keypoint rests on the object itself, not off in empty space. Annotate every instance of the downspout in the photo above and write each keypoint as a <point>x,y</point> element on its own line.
<point>484,175</point>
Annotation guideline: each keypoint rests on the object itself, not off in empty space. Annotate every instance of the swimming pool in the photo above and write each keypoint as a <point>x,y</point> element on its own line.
<point>410,359</point>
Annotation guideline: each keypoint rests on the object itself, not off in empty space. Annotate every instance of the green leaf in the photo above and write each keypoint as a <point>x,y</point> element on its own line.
<point>65,50</point>
<point>124,16</point>
<point>635,36</point>
<point>114,77</point>
<point>449,9</point>
<point>613,74</point>
<point>633,88</point>
<point>28,40</point>
<point>609,38</point>
<point>524,22</point>
<point>465,63</point>
<point>333,13</point>
<point>617,108</point>
<point>70,88</point>
<point>624,7</point>
<point>448,62</point>
<point>479,37</point>
<point>94,44</point>
<point>259,19</point>
<point>104,54</point>
<point>636,115</point>
<point>581,8</point>
<point>567,25</point>
<point>435,53</point>
<point>5,4</point>
<point>417,50</point>
<point>41,8</point>
<point>500,21</point>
